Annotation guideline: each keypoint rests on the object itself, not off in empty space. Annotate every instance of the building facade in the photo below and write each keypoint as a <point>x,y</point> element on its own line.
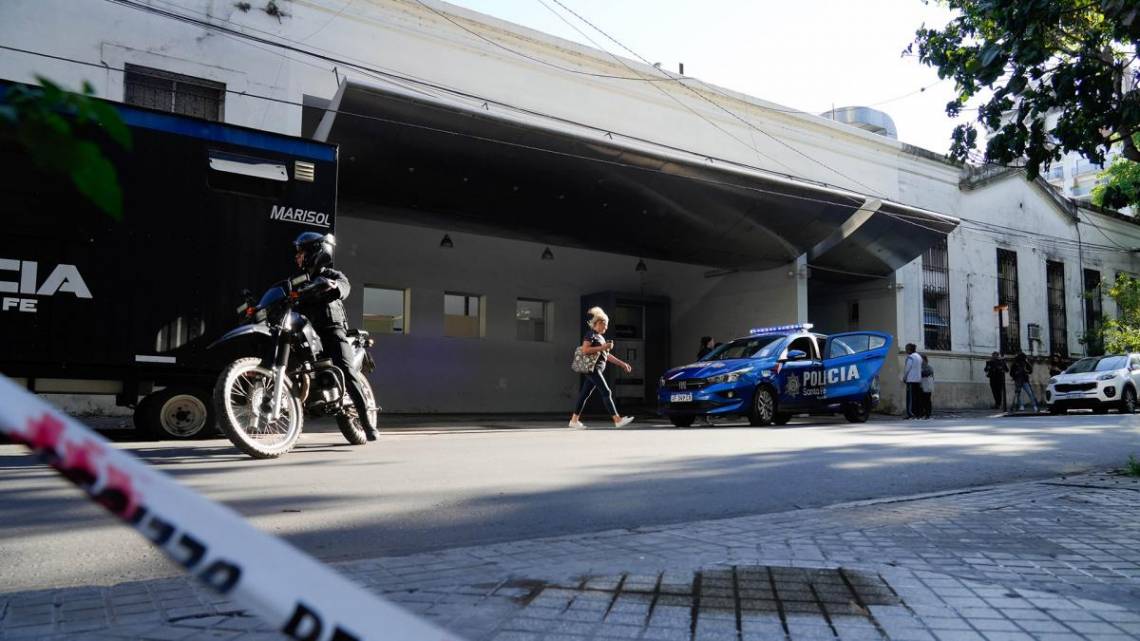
<point>481,315</point>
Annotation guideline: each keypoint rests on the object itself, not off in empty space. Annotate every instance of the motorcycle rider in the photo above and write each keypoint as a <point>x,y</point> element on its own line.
<point>325,310</point>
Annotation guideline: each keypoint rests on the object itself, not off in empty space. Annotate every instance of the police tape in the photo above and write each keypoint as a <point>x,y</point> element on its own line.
<point>297,594</point>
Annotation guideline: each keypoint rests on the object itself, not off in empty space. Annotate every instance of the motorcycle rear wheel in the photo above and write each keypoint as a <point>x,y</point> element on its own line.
<point>238,401</point>
<point>349,422</point>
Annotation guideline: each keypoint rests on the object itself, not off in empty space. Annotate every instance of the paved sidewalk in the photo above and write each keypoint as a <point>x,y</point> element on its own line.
<point>1048,560</point>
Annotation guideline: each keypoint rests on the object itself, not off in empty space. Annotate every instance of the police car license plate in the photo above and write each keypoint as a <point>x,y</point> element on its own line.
<point>681,398</point>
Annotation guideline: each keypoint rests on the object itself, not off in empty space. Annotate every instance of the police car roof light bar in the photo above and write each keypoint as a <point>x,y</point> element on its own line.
<point>781,328</point>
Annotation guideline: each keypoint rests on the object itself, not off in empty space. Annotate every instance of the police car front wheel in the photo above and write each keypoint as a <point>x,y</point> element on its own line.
<point>763,407</point>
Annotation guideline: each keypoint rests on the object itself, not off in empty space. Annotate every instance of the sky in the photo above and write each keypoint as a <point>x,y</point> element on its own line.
<point>805,54</point>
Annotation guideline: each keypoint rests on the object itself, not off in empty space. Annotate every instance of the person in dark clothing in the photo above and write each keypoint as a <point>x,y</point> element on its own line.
<point>594,342</point>
<point>1020,373</point>
<point>707,345</point>
<point>324,307</point>
<point>996,369</point>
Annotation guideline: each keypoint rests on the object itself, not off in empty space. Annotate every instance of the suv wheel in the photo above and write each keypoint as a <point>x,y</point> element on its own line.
<point>1128,401</point>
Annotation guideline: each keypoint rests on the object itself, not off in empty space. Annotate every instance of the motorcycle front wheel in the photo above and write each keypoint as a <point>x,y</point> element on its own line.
<point>242,404</point>
<point>349,422</point>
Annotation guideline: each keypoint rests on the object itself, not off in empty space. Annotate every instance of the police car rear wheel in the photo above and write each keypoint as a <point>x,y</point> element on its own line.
<point>763,407</point>
<point>682,421</point>
<point>858,412</point>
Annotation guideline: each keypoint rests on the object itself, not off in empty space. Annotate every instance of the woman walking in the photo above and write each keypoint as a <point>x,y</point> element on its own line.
<point>594,342</point>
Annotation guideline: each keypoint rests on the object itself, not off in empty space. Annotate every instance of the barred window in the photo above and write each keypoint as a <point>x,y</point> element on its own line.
<point>1009,335</point>
<point>1058,328</point>
<point>175,93</point>
<point>936,296</point>
<point>1093,312</point>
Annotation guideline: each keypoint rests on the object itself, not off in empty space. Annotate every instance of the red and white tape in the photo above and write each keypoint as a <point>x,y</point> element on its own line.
<point>297,594</point>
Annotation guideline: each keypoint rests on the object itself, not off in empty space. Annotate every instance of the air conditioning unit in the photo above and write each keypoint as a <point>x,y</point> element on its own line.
<point>1034,332</point>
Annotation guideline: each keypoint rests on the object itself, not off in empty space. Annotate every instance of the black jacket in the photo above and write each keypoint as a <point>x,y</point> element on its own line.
<point>996,368</point>
<point>324,307</point>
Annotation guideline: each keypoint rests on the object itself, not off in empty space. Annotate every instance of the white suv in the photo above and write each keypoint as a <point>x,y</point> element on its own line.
<point>1098,383</point>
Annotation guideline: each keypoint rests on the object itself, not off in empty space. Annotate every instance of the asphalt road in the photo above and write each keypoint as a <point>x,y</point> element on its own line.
<point>432,488</point>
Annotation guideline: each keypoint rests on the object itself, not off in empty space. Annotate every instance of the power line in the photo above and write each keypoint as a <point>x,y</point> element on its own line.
<point>670,96</point>
<point>901,216</point>
<point>747,123</point>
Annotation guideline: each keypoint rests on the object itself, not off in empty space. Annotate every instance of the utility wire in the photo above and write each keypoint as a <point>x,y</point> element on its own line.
<point>747,123</point>
<point>665,93</point>
<point>903,216</point>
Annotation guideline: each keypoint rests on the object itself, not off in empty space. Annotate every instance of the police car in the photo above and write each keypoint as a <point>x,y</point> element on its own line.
<point>776,372</point>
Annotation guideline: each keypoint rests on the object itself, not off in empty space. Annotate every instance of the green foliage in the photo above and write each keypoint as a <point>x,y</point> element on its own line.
<point>1122,186</point>
<point>48,122</point>
<point>1123,333</point>
<point>1133,468</point>
<point>1040,58</point>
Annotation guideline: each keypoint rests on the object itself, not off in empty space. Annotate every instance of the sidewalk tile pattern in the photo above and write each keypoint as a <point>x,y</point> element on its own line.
<point>1040,561</point>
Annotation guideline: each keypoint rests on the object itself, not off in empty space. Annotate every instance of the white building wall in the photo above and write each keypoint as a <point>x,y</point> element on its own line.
<point>406,39</point>
<point>424,371</point>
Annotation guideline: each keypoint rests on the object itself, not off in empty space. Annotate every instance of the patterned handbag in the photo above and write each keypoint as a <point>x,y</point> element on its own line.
<point>583,363</point>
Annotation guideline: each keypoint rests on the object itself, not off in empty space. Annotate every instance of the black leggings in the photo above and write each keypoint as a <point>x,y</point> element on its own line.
<point>595,380</point>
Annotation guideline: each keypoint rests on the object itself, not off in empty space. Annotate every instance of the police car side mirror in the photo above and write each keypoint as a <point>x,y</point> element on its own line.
<point>796,355</point>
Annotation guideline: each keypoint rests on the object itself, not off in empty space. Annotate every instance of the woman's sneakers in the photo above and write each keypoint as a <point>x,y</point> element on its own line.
<point>625,420</point>
<point>577,424</point>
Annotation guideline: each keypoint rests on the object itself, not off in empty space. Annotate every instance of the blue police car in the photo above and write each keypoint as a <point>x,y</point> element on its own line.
<point>776,372</point>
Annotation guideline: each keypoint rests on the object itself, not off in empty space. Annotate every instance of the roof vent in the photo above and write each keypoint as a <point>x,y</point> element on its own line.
<point>872,120</point>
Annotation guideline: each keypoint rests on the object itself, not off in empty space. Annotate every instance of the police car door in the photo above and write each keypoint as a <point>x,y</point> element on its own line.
<point>851,361</point>
<point>800,380</point>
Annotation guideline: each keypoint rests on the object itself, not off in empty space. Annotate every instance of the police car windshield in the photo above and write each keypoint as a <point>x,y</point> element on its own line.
<point>751,347</point>
<point>1098,364</point>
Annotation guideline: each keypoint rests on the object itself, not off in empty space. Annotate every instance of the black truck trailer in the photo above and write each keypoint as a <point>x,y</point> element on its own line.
<point>94,305</point>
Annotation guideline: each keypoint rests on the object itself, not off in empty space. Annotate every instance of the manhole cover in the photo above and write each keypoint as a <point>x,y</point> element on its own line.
<point>740,597</point>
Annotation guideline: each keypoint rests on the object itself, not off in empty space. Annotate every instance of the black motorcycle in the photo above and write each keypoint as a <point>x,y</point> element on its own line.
<point>261,401</point>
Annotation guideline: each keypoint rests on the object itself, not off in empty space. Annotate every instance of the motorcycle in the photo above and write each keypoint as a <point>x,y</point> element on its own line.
<point>261,401</point>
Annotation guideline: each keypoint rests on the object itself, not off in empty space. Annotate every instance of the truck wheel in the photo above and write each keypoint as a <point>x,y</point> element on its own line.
<point>763,407</point>
<point>179,412</point>
<point>682,421</point>
<point>349,423</point>
<point>142,411</point>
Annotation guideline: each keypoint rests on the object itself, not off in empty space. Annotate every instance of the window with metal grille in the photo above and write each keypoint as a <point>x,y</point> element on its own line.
<point>174,92</point>
<point>1093,313</point>
<point>1010,334</point>
<point>936,296</point>
<point>1058,329</point>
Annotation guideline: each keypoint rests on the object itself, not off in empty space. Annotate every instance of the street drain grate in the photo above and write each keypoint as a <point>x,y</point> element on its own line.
<point>783,597</point>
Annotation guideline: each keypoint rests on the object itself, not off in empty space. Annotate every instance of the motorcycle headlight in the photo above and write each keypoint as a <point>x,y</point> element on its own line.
<point>1106,377</point>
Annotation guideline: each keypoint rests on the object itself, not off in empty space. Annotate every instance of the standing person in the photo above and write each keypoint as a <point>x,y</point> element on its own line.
<point>1020,373</point>
<point>594,342</point>
<point>707,345</point>
<point>912,377</point>
<point>996,369</point>
<point>927,385</point>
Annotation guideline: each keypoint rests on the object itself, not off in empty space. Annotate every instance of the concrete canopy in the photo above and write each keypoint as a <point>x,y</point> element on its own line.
<point>437,160</point>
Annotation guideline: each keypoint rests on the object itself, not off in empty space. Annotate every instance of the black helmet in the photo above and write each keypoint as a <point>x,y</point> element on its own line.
<point>318,249</point>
